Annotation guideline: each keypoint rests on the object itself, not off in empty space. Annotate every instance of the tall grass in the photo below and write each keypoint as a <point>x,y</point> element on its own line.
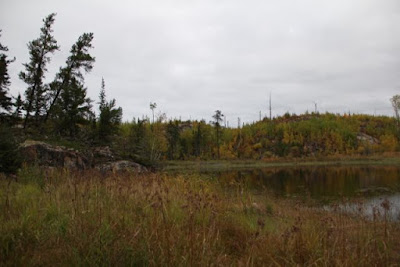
<point>71,218</point>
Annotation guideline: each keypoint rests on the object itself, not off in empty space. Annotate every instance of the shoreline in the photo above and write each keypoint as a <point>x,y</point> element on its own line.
<point>203,165</point>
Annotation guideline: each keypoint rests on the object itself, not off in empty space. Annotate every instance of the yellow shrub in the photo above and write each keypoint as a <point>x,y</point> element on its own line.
<point>389,142</point>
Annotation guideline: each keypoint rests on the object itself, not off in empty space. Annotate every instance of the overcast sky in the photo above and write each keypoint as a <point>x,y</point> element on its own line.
<point>194,57</point>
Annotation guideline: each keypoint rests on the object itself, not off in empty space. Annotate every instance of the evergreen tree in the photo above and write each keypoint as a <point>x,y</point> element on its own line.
<point>71,73</point>
<point>217,123</point>
<point>5,100</point>
<point>33,76</point>
<point>172,135</point>
<point>10,160</point>
<point>73,108</point>
<point>18,107</point>
<point>139,146</point>
<point>102,95</point>
<point>110,117</point>
<point>199,139</point>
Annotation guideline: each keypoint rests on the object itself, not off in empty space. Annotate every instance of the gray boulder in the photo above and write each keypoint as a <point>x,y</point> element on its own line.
<point>102,154</point>
<point>367,139</point>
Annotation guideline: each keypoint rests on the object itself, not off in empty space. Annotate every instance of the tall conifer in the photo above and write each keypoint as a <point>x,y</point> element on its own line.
<point>79,59</point>
<point>39,51</point>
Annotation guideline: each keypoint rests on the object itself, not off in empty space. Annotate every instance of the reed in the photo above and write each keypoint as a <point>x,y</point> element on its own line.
<point>87,218</point>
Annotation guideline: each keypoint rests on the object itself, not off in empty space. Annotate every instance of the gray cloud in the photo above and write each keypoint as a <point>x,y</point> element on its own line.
<point>193,57</point>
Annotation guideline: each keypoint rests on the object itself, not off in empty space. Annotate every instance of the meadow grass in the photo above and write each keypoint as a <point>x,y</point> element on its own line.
<point>57,217</point>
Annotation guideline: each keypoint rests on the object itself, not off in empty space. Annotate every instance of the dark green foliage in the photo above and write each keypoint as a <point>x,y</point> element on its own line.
<point>110,117</point>
<point>79,59</point>
<point>18,107</point>
<point>145,143</point>
<point>73,109</point>
<point>139,142</point>
<point>69,107</point>
<point>217,123</point>
<point>172,135</point>
<point>202,143</point>
<point>9,157</point>
<point>5,100</point>
<point>197,141</point>
<point>39,50</point>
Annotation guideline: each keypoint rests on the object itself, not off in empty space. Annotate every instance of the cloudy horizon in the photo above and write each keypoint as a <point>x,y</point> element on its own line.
<point>194,57</point>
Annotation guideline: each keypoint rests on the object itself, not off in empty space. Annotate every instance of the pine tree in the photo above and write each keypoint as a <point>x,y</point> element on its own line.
<point>5,100</point>
<point>110,117</point>
<point>102,96</point>
<point>33,76</point>
<point>18,107</point>
<point>79,58</point>
<point>73,108</point>
<point>172,135</point>
<point>218,119</point>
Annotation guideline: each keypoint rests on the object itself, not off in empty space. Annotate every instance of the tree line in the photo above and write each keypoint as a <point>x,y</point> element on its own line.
<point>61,110</point>
<point>287,136</point>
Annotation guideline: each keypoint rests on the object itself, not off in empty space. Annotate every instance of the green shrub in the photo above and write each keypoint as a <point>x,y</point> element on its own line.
<point>9,157</point>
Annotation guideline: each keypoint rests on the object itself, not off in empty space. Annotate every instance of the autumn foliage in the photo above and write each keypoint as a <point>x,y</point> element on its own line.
<point>295,136</point>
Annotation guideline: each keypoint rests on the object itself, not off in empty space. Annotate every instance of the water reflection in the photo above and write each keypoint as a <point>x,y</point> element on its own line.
<point>371,184</point>
<point>374,207</point>
<point>319,182</point>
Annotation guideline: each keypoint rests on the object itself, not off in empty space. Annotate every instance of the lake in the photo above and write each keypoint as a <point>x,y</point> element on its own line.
<point>368,186</point>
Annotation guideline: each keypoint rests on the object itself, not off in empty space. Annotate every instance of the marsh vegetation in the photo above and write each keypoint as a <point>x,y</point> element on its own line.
<point>69,218</point>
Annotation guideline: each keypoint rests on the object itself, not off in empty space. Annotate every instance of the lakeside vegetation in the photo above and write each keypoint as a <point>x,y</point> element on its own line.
<point>68,218</point>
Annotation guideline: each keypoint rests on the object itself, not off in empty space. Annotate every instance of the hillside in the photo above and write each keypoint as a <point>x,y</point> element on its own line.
<point>306,135</point>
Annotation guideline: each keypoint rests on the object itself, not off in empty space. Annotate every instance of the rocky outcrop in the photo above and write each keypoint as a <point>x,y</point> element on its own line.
<point>102,154</point>
<point>367,139</point>
<point>121,166</point>
<point>43,154</point>
<point>104,160</point>
<point>46,155</point>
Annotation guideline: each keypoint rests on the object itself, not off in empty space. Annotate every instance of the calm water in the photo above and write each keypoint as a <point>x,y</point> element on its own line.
<point>372,184</point>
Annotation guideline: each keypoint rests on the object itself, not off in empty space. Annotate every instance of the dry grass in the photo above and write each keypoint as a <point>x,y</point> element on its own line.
<point>60,217</point>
